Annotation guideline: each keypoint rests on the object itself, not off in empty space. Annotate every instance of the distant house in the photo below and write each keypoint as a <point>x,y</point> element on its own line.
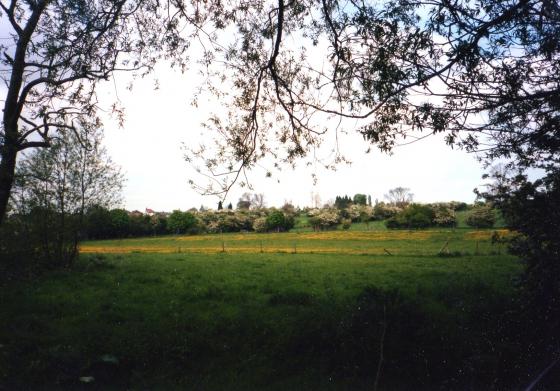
<point>150,212</point>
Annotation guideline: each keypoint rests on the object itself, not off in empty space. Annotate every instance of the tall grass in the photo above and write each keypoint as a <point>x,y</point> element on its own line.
<point>257,321</point>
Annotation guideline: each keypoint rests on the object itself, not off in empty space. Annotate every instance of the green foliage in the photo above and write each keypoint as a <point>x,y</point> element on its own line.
<point>444,216</point>
<point>382,211</point>
<point>481,216</point>
<point>40,240</point>
<point>228,221</point>
<point>342,202</point>
<point>98,223</point>
<point>181,222</point>
<point>55,190</point>
<point>414,216</point>
<point>360,199</point>
<point>327,218</point>
<point>346,223</point>
<point>276,220</point>
<point>533,210</point>
<point>458,206</point>
<point>260,225</point>
<point>120,223</point>
<point>159,224</point>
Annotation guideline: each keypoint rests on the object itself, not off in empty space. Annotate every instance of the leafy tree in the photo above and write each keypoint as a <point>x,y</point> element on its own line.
<point>120,223</point>
<point>260,225</point>
<point>181,222</point>
<point>56,186</point>
<point>220,206</point>
<point>481,216</point>
<point>321,219</point>
<point>276,220</point>
<point>140,225</point>
<point>230,206</point>
<point>444,216</point>
<point>55,53</point>
<point>533,210</point>
<point>414,216</point>
<point>342,202</point>
<point>360,199</point>
<point>495,60</point>
<point>366,215</point>
<point>159,224</point>
<point>97,223</point>
<point>382,211</point>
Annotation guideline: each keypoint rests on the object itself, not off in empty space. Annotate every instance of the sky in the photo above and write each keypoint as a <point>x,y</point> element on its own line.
<point>160,121</point>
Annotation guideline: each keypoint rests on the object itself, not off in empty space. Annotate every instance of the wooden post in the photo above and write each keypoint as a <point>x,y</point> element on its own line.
<point>444,249</point>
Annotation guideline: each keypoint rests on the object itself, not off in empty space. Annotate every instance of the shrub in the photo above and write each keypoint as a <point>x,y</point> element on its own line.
<point>325,219</point>
<point>458,206</point>
<point>346,223</point>
<point>481,216</point>
<point>120,223</point>
<point>444,216</point>
<point>97,223</point>
<point>276,220</point>
<point>181,222</point>
<point>259,225</point>
<point>38,240</point>
<point>414,216</point>
<point>382,211</point>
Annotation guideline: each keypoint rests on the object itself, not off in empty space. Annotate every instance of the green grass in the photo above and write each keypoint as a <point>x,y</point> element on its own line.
<point>251,320</point>
<point>373,242</point>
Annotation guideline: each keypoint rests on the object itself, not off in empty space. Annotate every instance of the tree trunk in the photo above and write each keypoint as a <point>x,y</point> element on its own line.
<point>7,169</point>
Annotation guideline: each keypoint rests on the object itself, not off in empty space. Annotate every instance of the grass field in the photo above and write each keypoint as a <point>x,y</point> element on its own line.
<point>307,312</point>
<point>374,242</point>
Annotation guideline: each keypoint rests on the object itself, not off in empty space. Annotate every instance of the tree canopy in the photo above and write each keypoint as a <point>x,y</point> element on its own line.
<point>485,74</point>
<point>55,54</point>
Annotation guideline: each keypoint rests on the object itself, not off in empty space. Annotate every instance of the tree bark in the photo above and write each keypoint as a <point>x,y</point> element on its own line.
<point>13,106</point>
<point>7,169</point>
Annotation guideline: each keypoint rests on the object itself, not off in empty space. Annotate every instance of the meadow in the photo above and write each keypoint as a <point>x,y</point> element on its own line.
<point>373,242</point>
<point>372,309</point>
